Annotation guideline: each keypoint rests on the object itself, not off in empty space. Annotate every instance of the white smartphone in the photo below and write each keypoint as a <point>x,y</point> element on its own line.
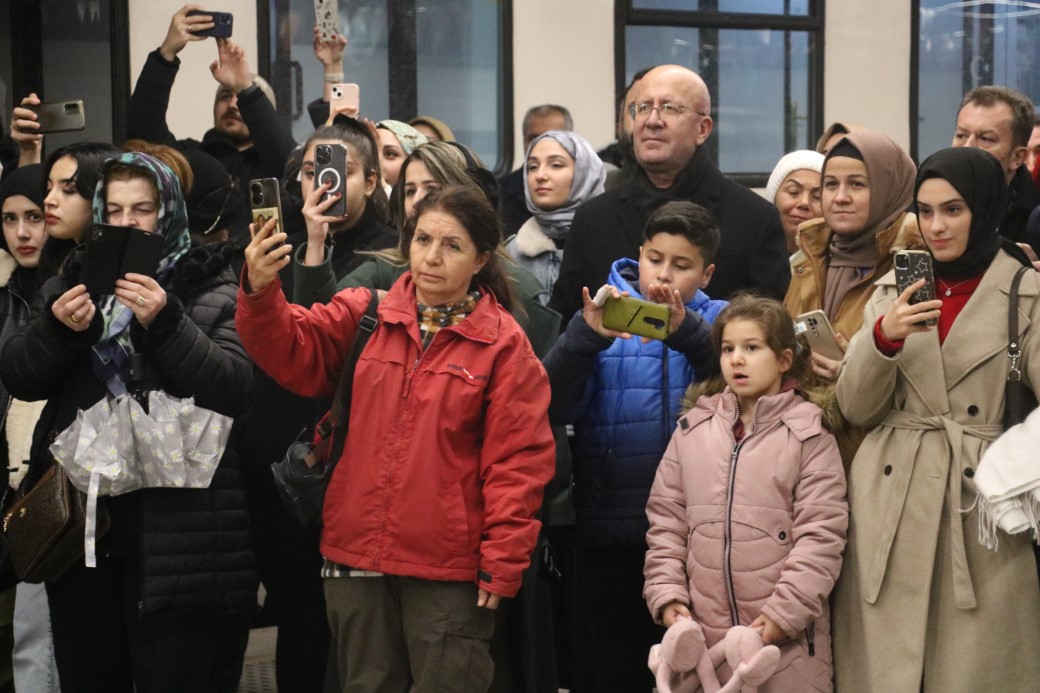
<point>326,16</point>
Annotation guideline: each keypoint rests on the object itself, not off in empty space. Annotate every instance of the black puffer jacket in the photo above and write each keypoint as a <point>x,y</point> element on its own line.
<point>193,545</point>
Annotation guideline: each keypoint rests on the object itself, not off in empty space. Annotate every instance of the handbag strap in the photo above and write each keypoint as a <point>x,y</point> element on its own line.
<point>339,413</point>
<point>1014,348</point>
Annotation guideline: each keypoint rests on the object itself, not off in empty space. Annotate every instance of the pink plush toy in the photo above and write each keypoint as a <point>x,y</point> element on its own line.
<point>682,663</point>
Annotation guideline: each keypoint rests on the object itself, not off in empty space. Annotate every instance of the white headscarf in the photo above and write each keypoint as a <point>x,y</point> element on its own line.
<point>589,176</point>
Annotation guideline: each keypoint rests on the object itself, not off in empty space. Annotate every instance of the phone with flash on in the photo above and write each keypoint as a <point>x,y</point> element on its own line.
<point>633,315</point>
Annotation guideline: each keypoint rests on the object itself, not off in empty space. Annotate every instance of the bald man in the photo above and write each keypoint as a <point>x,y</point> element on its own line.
<point>670,123</point>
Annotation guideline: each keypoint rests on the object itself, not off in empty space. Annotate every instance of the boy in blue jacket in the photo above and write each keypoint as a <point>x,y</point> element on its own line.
<point>623,394</point>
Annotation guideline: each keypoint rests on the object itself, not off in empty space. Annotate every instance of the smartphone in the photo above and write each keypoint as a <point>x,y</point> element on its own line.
<point>816,330</point>
<point>114,251</point>
<point>223,22</point>
<point>265,200</point>
<point>912,265</point>
<point>59,116</point>
<point>636,316</point>
<point>330,165</point>
<point>344,98</point>
<point>326,16</point>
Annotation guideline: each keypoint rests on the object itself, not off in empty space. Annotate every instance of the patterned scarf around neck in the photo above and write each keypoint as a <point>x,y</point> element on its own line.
<point>433,318</point>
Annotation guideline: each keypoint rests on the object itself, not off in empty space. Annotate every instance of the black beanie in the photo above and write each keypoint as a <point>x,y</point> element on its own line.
<point>214,201</point>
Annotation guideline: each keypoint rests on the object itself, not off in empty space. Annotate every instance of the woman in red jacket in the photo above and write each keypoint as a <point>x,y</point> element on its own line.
<point>429,516</point>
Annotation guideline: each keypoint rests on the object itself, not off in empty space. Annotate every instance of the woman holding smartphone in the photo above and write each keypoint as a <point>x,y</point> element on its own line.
<point>921,603</point>
<point>167,606</point>
<point>429,517</point>
<point>867,181</point>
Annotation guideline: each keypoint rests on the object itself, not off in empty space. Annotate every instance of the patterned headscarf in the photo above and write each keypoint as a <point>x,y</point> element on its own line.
<point>409,137</point>
<point>112,351</point>
<point>589,176</point>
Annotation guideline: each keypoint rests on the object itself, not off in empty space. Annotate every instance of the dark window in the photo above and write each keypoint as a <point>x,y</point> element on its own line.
<point>963,45</point>
<point>762,61</point>
<point>442,58</point>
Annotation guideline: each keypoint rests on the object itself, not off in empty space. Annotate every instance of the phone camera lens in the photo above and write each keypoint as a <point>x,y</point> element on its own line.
<point>225,20</point>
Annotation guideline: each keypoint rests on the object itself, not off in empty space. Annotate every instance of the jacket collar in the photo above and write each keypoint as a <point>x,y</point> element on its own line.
<point>482,325</point>
<point>787,406</point>
<point>624,274</point>
<point>531,241</point>
<point>814,236</point>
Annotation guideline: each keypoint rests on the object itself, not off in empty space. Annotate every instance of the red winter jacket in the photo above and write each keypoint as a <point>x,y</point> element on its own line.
<point>448,449</point>
<point>755,528</point>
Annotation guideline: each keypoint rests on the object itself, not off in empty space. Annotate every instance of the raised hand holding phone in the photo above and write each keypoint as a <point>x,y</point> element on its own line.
<point>266,254</point>
<point>593,308</point>
<point>904,318</point>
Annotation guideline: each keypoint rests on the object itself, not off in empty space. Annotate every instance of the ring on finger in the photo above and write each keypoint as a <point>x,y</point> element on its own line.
<point>140,300</point>
<point>189,27</point>
<point>73,319</point>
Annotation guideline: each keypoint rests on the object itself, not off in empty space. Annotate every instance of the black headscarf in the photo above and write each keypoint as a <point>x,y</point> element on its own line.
<point>979,178</point>
<point>27,181</point>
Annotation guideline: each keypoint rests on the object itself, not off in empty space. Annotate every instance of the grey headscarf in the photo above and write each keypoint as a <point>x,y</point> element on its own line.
<point>589,176</point>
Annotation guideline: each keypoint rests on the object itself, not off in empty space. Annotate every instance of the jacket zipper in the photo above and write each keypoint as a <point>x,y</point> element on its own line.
<point>665,428</point>
<point>728,523</point>
<point>810,638</point>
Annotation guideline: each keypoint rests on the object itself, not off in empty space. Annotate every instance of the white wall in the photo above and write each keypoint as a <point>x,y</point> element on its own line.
<point>191,102</point>
<point>867,66</point>
<point>563,52</point>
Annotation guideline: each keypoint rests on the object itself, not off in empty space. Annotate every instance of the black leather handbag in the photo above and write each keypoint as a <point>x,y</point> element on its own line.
<point>302,476</point>
<point>1019,400</point>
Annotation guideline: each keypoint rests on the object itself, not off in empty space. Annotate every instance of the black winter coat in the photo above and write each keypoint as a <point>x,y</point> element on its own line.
<point>272,141</point>
<point>752,252</point>
<point>194,545</point>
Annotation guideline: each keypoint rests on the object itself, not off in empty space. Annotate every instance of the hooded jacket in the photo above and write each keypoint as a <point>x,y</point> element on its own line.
<point>749,528</point>
<point>623,397</point>
<point>448,448</point>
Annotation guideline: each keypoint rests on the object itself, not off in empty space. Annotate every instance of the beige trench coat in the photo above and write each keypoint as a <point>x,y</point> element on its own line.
<point>919,597</point>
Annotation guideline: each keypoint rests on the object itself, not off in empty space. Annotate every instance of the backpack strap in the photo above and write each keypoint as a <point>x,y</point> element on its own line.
<point>335,428</point>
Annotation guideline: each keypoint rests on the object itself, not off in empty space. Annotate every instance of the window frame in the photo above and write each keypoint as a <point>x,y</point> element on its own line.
<point>403,60</point>
<point>625,15</point>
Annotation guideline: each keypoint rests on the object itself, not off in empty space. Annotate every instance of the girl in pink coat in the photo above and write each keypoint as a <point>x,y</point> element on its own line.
<point>748,510</point>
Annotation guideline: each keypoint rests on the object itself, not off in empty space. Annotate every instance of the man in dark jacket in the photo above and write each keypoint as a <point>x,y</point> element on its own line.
<point>670,123</point>
<point>1000,120</point>
<point>247,137</point>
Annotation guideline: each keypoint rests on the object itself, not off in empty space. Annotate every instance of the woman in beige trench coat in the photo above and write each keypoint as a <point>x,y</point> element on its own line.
<point>921,604</point>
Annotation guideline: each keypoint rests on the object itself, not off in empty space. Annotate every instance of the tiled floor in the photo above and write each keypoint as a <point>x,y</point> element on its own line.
<point>258,669</point>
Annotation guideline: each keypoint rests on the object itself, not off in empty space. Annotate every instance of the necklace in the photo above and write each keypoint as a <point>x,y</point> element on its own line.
<point>951,287</point>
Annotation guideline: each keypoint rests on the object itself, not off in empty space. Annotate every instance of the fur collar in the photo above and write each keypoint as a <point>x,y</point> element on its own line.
<point>531,241</point>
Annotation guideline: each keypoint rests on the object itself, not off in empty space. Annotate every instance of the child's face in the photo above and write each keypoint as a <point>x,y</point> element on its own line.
<point>670,259</point>
<point>750,367</point>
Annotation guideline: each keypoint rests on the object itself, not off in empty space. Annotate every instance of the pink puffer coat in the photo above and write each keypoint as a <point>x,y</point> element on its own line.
<point>742,529</point>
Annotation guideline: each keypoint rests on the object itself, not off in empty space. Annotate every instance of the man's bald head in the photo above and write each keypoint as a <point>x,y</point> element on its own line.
<point>666,141</point>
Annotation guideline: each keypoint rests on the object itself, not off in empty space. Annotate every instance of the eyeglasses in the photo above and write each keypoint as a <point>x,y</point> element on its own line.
<point>667,110</point>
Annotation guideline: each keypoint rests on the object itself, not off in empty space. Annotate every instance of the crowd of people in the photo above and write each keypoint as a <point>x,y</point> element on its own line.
<point>528,496</point>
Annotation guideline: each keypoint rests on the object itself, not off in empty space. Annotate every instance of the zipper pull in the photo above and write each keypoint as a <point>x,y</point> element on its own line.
<point>810,637</point>
<point>411,375</point>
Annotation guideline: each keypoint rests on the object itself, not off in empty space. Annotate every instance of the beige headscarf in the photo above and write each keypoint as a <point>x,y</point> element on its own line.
<point>890,174</point>
<point>838,127</point>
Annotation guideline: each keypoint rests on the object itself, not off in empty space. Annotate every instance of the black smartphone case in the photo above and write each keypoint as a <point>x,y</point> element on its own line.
<point>223,22</point>
<point>920,267</point>
<point>114,251</point>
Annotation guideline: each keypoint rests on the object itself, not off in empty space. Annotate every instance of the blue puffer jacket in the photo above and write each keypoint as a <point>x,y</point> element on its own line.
<point>623,397</point>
